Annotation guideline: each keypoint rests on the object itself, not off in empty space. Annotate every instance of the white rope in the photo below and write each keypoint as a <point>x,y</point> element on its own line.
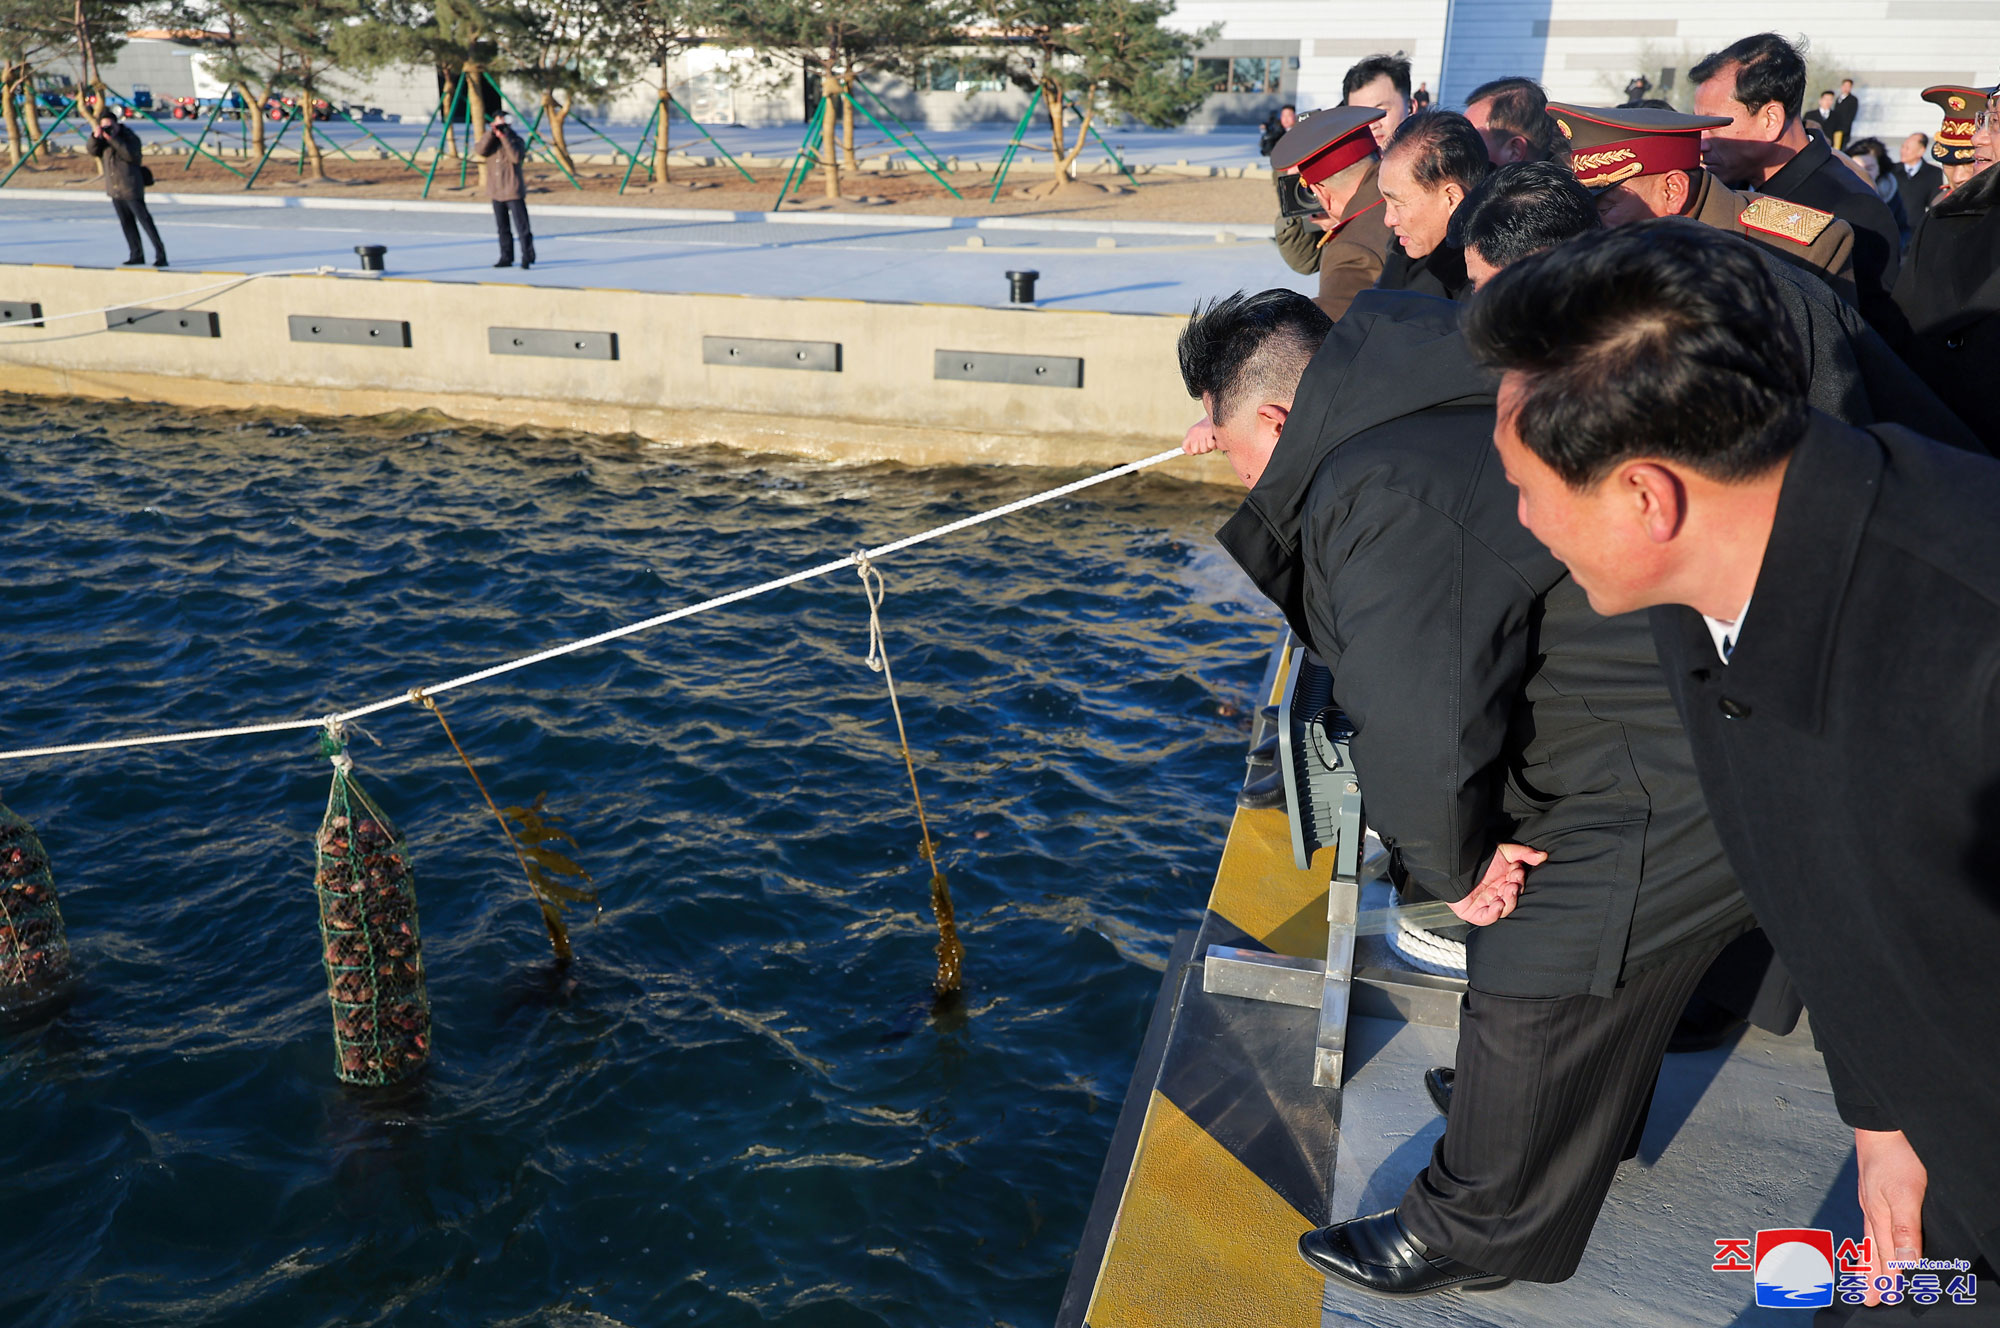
<point>238,280</point>
<point>570,648</point>
<point>1426,951</point>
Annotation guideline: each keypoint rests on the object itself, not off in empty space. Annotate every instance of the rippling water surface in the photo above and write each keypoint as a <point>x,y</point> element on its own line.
<point>737,1107</point>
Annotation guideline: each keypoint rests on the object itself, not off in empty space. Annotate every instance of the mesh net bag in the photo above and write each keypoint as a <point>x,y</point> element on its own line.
<point>368,928</point>
<point>34,948</point>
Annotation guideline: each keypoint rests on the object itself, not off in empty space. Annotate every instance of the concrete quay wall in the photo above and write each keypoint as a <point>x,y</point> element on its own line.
<point>348,345</point>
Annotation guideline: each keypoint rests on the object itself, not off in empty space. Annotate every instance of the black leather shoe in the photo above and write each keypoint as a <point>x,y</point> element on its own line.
<point>139,261</point>
<point>1374,1254</point>
<point>527,263</point>
<point>1259,794</point>
<point>161,261</point>
<point>1265,752</point>
<point>505,262</point>
<point>1437,1082</point>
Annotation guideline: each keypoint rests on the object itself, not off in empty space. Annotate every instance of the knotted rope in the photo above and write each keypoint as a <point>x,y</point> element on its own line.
<point>950,951</point>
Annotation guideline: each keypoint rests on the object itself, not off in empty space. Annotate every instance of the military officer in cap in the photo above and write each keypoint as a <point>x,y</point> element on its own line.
<point>1949,288</point>
<point>1952,149</point>
<point>1645,163</point>
<point>1333,155</point>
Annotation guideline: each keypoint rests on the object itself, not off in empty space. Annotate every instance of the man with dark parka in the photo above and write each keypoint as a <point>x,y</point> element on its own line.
<point>117,148</point>
<point>1519,754</point>
<point>1826,602</point>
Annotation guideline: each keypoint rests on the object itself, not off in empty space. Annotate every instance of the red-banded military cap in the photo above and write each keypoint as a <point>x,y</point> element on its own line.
<point>1611,144</point>
<point>1325,142</point>
<point>1953,144</point>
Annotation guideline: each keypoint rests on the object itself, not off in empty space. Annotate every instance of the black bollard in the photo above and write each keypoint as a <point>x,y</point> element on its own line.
<point>1021,287</point>
<point>371,256</point>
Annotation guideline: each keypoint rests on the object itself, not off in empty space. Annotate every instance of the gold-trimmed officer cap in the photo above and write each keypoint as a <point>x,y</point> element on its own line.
<point>1953,144</point>
<point>1325,142</point>
<point>1612,144</point>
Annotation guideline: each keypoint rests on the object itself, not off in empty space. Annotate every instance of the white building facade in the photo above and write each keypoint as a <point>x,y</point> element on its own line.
<point>1587,50</point>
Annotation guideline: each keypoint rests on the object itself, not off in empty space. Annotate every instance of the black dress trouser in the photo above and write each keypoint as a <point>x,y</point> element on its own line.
<point>1547,1094</point>
<point>132,214</point>
<point>516,210</point>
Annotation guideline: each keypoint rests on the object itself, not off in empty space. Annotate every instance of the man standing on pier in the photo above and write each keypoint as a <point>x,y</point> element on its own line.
<point>117,149</point>
<point>506,190</point>
<point>1519,754</point>
<point>1827,608</point>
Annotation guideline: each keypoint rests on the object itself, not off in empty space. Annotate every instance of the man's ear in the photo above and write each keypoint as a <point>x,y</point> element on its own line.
<point>1271,418</point>
<point>1771,118</point>
<point>1658,498</point>
<point>1453,194</point>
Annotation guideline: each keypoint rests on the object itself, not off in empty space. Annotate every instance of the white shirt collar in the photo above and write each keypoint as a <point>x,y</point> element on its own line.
<point>1725,634</point>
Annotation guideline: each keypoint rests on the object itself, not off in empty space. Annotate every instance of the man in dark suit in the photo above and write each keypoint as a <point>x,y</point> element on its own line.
<point>1840,120</point>
<point>1519,754</point>
<point>118,151</point>
<point>1433,162</point>
<point>1758,84</point>
<point>1917,179</point>
<point>1829,621</point>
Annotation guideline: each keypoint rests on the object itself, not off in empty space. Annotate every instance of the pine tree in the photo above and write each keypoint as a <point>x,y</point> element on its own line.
<point>840,41</point>
<point>1105,55</point>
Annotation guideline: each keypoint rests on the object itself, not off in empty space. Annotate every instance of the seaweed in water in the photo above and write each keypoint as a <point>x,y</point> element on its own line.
<point>34,947</point>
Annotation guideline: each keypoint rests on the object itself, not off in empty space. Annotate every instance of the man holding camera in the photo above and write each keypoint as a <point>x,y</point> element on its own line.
<point>117,148</point>
<point>506,190</point>
<point>1327,168</point>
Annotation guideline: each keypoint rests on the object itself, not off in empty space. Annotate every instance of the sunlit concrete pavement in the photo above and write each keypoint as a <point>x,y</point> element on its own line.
<point>1126,267</point>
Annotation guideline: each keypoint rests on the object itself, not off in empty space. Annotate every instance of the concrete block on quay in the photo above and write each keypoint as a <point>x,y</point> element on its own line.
<point>885,402</point>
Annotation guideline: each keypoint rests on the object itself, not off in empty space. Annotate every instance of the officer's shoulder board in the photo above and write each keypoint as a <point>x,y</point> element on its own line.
<point>1788,221</point>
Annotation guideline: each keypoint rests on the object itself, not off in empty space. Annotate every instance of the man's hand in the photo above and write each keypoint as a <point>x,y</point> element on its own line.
<point>1500,888</point>
<point>1893,1181</point>
<point>1200,438</point>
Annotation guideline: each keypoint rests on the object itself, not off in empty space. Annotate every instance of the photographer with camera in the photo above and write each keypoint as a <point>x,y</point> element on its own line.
<point>506,190</point>
<point>117,149</point>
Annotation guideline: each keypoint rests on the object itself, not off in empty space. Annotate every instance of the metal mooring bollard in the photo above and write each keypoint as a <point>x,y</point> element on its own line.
<point>1021,287</point>
<point>371,256</point>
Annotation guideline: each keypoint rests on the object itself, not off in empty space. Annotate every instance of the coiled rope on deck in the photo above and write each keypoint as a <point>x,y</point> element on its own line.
<point>402,697</point>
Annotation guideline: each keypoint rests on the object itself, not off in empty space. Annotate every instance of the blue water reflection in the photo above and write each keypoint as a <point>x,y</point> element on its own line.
<point>736,1108</point>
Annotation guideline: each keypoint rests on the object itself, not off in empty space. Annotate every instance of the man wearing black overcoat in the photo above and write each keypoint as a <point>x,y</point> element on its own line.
<point>1950,291</point>
<point>1519,754</point>
<point>1829,622</point>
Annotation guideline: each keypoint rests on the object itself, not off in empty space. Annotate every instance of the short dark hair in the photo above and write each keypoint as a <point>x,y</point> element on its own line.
<point>1447,147</point>
<point>1521,209</point>
<point>1520,106</point>
<point>1367,71</point>
<point>1872,147</point>
<point>1243,344</point>
<point>1826,92</point>
<point>1768,69</point>
<point>1662,338</point>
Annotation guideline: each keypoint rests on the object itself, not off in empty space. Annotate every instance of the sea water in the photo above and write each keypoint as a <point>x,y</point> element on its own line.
<point>737,1106</point>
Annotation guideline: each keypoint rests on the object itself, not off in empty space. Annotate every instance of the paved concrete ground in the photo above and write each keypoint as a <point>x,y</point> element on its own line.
<point>1153,268</point>
<point>1229,147</point>
<point>1739,1138</point>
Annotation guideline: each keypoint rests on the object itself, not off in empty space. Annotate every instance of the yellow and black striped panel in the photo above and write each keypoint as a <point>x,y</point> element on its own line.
<point>1234,1158</point>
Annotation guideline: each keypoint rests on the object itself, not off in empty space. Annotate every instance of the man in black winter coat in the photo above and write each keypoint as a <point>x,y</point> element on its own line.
<point>1518,753</point>
<point>115,145</point>
<point>1950,289</point>
<point>1829,621</point>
